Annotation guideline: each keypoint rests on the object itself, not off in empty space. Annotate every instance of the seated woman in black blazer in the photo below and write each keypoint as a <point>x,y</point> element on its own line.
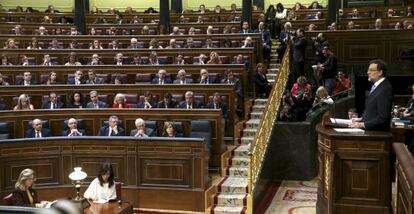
<point>23,194</point>
<point>169,129</point>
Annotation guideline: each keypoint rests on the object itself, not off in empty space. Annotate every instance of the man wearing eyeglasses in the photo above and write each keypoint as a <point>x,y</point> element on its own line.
<point>37,131</point>
<point>377,113</point>
<point>73,129</point>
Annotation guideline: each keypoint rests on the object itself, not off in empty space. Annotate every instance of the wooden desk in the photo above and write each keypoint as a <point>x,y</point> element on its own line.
<point>109,208</point>
<point>404,180</point>
<point>354,172</point>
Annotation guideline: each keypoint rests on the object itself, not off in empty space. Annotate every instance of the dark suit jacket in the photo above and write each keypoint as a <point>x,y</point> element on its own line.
<point>221,106</point>
<point>172,104</point>
<point>262,84</point>
<point>100,105</point>
<point>299,46</point>
<point>67,132</point>
<point>2,107</point>
<point>47,105</point>
<point>183,104</point>
<point>236,83</point>
<point>21,82</point>
<point>142,104</point>
<point>30,133</point>
<point>377,113</point>
<point>97,81</point>
<point>248,31</point>
<point>156,81</point>
<point>187,81</point>
<point>71,81</point>
<point>20,198</point>
<point>148,131</point>
<point>265,38</point>
<point>209,80</point>
<point>104,131</point>
<point>331,67</point>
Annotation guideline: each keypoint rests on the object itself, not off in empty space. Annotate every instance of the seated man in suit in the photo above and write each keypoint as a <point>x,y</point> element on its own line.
<point>37,131</point>
<point>73,129</point>
<point>95,103</point>
<point>189,102</point>
<point>162,78</point>
<point>77,79</point>
<point>93,79</point>
<point>112,129</point>
<point>53,102</point>
<point>27,79</point>
<point>232,80</point>
<point>245,28</point>
<point>217,103</point>
<point>140,130</point>
<point>204,78</point>
<point>119,59</point>
<point>134,44</point>
<point>182,78</point>
<point>167,102</point>
<point>147,103</point>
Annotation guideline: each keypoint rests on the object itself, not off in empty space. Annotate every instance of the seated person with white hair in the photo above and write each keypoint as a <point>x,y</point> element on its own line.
<point>189,102</point>
<point>134,44</point>
<point>141,130</point>
<point>95,103</point>
<point>173,44</point>
<point>182,78</point>
<point>73,129</point>
<point>176,31</point>
<point>112,129</point>
<point>162,78</point>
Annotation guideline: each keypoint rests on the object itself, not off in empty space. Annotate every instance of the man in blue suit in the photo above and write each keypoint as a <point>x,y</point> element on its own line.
<point>267,44</point>
<point>377,113</point>
<point>245,28</point>
<point>112,129</point>
<point>95,103</point>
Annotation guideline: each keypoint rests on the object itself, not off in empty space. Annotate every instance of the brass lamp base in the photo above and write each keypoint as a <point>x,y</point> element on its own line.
<point>82,203</point>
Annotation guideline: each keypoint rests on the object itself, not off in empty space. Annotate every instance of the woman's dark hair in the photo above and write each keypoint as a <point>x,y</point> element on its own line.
<point>106,168</point>
<point>280,7</point>
<point>72,97</point>
<point>29,10</point>
<point>271,8</point>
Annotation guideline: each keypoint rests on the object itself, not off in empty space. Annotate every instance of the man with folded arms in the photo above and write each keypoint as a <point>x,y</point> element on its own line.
<point>112,129</point>
<point>73,129</point>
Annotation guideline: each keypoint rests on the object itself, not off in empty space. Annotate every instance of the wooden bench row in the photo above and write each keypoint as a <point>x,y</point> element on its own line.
<point>108,56</point>
<point>372,12</point>
<point>202,93</point>
<point>84,41</point>
<point>93,120</point>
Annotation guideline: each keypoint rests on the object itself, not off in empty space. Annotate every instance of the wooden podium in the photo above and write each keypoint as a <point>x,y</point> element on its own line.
<point>354,172</point>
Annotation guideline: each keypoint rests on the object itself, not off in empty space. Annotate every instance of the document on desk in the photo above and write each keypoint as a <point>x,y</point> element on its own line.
<point>352,130</point>
<point>101,201</point>
<point>341,122</point>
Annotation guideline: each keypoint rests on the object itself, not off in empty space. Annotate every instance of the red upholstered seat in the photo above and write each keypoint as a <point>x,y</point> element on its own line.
<point>8,199</point>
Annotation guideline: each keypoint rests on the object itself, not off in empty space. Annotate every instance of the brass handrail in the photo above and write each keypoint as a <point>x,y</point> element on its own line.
<point>261,139</point>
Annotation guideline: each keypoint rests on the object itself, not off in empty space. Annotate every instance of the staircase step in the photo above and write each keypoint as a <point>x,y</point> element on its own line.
<point>238,172</point>
<point>256,115</point>
<point>242,150</point>
<point>272,70</point>
<point>254,123</point>
<point>234,185</point>
<point>240,161</point>
<point>260,101</point>
<point>228,210</point>
<point>232,200</point>
<point>249,132</point>
<point>274,65</point>
<point>246,140</point>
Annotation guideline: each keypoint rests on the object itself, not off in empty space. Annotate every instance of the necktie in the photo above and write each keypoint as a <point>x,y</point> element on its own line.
<point>189,106</point>
<point>52,105</point>
<point>95,105</point>
<point>215,106</point>
<point>372,89</point>
<point>110,132</point>
<point>37,134</point>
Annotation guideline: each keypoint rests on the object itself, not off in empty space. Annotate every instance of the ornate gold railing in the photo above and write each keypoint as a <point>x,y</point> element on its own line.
<point>261,139</point>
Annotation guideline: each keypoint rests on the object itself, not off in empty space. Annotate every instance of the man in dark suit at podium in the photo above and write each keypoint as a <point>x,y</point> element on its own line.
<point>377,113</point>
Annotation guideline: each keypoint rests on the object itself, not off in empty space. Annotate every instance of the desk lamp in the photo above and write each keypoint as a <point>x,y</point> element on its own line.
<point>77,177</point>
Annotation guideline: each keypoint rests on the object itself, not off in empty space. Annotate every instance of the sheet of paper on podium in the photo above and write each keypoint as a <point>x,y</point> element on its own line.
<point>353,130</point>
<point>341,122</point>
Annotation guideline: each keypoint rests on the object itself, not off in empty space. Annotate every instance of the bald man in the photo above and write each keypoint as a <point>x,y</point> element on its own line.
<point>37,131</point>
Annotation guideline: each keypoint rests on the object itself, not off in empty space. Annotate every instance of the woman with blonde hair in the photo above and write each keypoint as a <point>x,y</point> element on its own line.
<point>120,101</point>
<point>154,44</point>
<point>322,97</point>
<point>52,79</point>
<point>214,58</point>
<point>23,103</point>
<point>24,194</point>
